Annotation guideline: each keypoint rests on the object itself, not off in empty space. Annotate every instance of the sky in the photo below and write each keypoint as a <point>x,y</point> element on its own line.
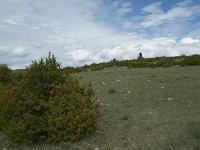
<point>80,32</point>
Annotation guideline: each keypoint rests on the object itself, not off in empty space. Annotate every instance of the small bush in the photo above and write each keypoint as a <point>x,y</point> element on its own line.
<point>46,106</point>
<point>125,117</point>
<point>111,91</point>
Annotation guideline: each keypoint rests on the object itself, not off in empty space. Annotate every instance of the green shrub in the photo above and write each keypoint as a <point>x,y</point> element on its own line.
<point>125,117</point>
<point>112,90</point>
<point>192,60</point>
<point>45,106</point>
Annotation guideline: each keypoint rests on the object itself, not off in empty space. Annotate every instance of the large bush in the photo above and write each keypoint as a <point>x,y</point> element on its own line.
<point>47,106</point>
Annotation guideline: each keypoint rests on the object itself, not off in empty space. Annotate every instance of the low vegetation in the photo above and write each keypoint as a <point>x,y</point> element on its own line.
<point>141,63</point>
<point>5,74</point>
<point>155,106</point>
<point>45,105</point>
<point>112,90</point>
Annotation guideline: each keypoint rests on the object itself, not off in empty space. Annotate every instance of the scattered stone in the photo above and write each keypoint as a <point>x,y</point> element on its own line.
<point>118,80</point>
<point>103,83</point>
<point>150,112</point>
<point>169,99</point>
<point>162,87</point>
<point>129,92</point>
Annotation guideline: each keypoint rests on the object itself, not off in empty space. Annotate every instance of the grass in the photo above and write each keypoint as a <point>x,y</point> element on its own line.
<point>152,109</point>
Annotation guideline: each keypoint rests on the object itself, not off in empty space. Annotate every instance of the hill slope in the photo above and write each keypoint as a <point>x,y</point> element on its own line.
<point>151,109</point>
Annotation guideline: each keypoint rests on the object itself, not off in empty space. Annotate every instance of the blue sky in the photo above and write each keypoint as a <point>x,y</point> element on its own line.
<point>81,32</point>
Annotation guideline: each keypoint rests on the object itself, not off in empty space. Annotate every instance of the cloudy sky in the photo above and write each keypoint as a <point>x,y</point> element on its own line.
<point>81,32</point>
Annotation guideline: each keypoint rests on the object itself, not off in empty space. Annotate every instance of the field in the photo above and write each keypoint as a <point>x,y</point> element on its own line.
<point>148,109</point>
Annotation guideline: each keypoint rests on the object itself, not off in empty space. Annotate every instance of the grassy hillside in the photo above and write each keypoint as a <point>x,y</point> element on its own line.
<point>151,109</point>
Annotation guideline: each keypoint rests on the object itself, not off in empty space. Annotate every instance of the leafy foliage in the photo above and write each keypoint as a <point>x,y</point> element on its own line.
<point>46,105</point>
<point>5,74</point>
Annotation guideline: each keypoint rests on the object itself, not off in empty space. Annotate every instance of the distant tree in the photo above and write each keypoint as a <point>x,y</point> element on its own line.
<point>140,56</point>
<point>114,60</point>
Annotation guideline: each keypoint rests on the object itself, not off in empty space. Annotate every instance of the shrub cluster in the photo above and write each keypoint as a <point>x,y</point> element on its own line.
<point>43,105</point>
<point>144,63</point>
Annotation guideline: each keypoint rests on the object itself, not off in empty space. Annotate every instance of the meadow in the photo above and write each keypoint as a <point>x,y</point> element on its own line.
<point>148,109</point>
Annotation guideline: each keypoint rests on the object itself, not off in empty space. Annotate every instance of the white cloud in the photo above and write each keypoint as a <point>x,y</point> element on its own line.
<point>195,33</point>
<point>10,21</point>
<point>14,20</point>
<point>116,4</point>
<point>128,25</point>
<point>19,52</point>
<point>128,47</point>
<point>182,11</point>
<point>80,55</point>
<point>3,51</point>
<point>15,57</point>
<point>189,40</point>
<point>153,8</point>
<point>126,4</point>
<point>125,8</point>
<point>2,26</point>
